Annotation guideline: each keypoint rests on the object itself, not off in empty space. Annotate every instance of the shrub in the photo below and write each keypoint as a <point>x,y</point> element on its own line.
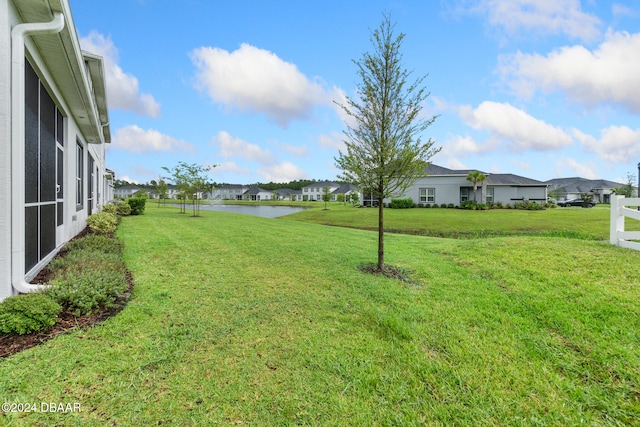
<point>421,205</point>
<point>103,223</point>
<point>428,205</point>
<point>450,206</point>
<point>23,314</point>
<point>96,243</point>
<point>123,208</point>
<point>443,205</point>
<point>481,207</point>
<point>137,205</point>
<point>110,208</point>
<point>82,291</point>
<point>499,205</point>
<point>401,203</point>
<point>467,204</point>
<point>435,205</point>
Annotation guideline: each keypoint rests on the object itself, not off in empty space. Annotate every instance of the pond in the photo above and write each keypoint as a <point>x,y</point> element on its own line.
<point>263,211</point>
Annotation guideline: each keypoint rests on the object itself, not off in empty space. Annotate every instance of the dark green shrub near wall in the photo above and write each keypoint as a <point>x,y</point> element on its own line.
<point>401,203</point>
<point>23,314</point>
<point>137,205</point>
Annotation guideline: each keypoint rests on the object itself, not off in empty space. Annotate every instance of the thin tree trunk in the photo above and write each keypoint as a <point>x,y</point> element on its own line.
<point>380,235</point>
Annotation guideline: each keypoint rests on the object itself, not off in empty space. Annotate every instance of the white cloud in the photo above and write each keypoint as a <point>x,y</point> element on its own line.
<point>516,127</point>
<point>334,140</point>
<point>230,167</point>
<point>298,151</point>
<point>607,75</point>
<point>581,168</point>
<point>282,172</point>
<point>256,80</point>
<point>230,146</point>
<point>542,16</point>
<point>617,144</point>
<point>137,140</point>
<point>123,91</point>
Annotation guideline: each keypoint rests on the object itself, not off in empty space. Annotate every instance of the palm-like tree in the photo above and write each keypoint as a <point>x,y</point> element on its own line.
<point>475,177</point>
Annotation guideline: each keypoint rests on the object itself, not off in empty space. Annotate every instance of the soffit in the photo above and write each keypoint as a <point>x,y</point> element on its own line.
<point>64,61</point>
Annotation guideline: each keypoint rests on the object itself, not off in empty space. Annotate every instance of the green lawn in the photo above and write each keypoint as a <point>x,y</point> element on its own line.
<point>237,320</point>
<point>564,222</point>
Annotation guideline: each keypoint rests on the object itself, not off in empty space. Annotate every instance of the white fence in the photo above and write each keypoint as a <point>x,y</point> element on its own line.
<point>619,211</point>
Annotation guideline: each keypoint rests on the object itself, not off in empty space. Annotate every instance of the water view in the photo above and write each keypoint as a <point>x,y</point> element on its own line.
<point>263,211</point>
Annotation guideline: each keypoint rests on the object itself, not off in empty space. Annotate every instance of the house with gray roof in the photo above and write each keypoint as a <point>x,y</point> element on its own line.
<point>257,193</point>
<point>573,188</point>
<point>228,192</point>
<point>450,186</point>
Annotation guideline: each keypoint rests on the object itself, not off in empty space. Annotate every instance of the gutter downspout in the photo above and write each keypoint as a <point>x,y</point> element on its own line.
<point>18,34</point>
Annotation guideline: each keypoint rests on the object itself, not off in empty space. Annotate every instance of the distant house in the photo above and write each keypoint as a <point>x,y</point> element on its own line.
<point>314,191</point>
<point>449,186</point>
<point>257,193</point>
<point>346,190</point>
<point>228,192</point>
<point>126,191</point>
<point>54,124</point>
<point>289,194</point>
<point>574,188</point>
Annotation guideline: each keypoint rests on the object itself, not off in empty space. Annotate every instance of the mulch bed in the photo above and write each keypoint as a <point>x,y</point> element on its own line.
<point>11,344</point>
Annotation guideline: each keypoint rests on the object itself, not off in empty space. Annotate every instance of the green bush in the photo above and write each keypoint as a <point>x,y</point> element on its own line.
<point>467,204</point>
<point>123,208</point>
<point>401,203</point>
<point>451,206</point>
<point>428,205</point>
<point>137,205</point>
<point>82,291</point>
<point>23,314</point>
<point>103,223</point>
<point>96,243</point>
<point>110,208</point>
<point>435,205</point>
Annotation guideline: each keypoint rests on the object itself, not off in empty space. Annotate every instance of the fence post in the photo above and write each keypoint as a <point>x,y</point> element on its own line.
<point>617,220</point>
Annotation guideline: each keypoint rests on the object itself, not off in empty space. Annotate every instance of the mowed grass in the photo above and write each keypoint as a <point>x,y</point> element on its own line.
<point>459,223</point>
<point>237,320</point>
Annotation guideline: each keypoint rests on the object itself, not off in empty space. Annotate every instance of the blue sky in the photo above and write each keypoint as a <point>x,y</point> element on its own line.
<point>539,88</point>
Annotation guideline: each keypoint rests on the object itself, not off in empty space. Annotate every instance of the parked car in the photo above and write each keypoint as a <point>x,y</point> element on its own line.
<point>576,202</point>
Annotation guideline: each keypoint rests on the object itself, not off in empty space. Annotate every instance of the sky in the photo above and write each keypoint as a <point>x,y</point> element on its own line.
<point>539,88</point>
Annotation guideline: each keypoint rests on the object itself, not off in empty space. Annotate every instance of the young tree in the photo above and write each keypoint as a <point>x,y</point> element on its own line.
<point>627,189</point>
<point>476,177</point>
<point>384,150</point>
<point>326,196</point>
<point>191,180</point>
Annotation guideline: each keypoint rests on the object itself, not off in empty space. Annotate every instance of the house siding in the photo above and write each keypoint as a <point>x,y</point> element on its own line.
<point>46,218</point>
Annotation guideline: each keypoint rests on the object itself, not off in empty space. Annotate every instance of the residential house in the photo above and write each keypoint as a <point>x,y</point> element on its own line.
<point>448,186</point>
<point>289,194</point>
<point>574,188</point>
<point>315,190</point>
<point>126,191</point>
<point>346,190</point>
<point>54,125</point>
<point>257,193</point>
<point>228,192</point>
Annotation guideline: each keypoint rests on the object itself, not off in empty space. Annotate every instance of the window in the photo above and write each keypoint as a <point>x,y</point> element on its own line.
<point>427,195</point>
<point>489,194</point>
<point>464,194</point>
<point>79,176</point>
<point>43,156</point>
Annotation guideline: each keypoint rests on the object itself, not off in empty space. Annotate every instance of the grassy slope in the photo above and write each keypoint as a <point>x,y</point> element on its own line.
<point>268,322</point>
<point>584,223</point>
